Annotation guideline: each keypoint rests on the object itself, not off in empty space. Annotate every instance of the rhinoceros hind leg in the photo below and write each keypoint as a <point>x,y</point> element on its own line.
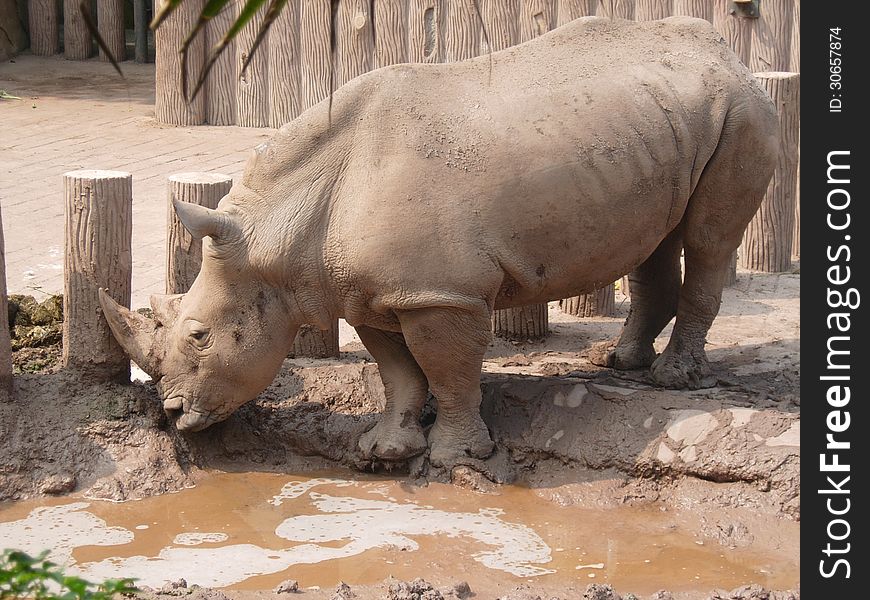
<point>655,291</point>
<point>397,435</point>
<point>449,344</point>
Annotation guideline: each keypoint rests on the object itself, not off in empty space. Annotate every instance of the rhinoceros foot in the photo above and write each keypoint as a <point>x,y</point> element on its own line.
<point>679,370</point>
<point>632,355</point>
<point>391,442</point>
<point>450,443</point>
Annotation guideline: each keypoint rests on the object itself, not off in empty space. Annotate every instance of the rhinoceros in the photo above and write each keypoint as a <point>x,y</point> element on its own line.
<point>428,195</point>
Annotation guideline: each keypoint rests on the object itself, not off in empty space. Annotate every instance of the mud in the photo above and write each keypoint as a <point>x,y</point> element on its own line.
<point>580,437</point>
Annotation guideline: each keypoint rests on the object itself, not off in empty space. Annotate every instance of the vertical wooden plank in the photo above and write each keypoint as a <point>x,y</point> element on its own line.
<point>311,342</point>
<point>767,243</point>
<point>653,10</point>
<point>140,30</point>
<point>5,339</point>
<point>170,105</point>
<point>771,37</point>
<point>461,30</point>
<point>314,50</point>
<point>221,95</point>
<point>285,84</point>
<point>537,17</point>
<point>701,9</point>
<point>110,24</point>
<point>183,251</point>
<point>521,323</point>
<point>600,303</point>
<point>616,9</point>
<point>77,42</point>
<point>574,9</point>
<point>501,18</point>
<point>736,30</point>
<point>794,61</point>
<point>423,35</point>
<point>98,212</point>
<point>391,24</point>
<point>253,82</point>
<point>354,45</point>
<point>43,19</point>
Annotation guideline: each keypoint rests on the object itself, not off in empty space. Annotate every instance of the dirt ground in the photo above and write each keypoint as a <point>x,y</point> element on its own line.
<point>574,432</point>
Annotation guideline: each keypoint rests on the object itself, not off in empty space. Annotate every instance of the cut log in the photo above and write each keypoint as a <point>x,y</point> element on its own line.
<point>701,9</point>
<point>423,35</point>
<point>736,30</point>
<point>391,25</point>
<point>794,61</point>
<point>285,85</point>
<point>5,339</point>
<point>77,42</point>
<point>98,209</point>
<point>653,10</point>
<point>315,51</point>
<point>731,274</point>
<point>616,9</point>
<point>170,105</point>
<point>253,82</point>
<point>771,36</point>
<point>43,19</point>
<point>311,342</point>
<point>521,323</point>
<point>184,251</point>
<point>221,95</point>
<point>767,242</point>
<point>110,24</point>
<point>354,45</point>
<point>462,32</point>
<point>574,9</point>
<point>501,18</point>
<point>537,17</point>
<point>600,303</point>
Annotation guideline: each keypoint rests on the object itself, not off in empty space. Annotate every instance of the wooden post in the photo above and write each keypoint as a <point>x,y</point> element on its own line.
<point>731,274</point>
<point>110,23</point>
<point>42,17</point>
<point>502,19</point>
<point>170,105</point>
<point>771,36</point>
<point>521,323</point>
<point>285,85</point>
<point>461,30</point>
<point>5,339</point>
<point>77,42</point>
<point>574,9</point>
<point>767,243</point>
<point>701,9</point>
<point>253,83</point>
<point>98,212</point>
<point>794,61</point>
<point>795,67</point>
<point>315,51</point>
<point>354,45</point>
<point>391,24</point>
<point>423,36</point>
<point>616,9</point>
<point>311,342</point>
<point>600,303</point>
<point>625,286</point>
<point>221,97</point>
<point>653,10</point>
<point>183,251</point>
<point>537,17</point>
<point>140,31</point>
<point>736,30</point>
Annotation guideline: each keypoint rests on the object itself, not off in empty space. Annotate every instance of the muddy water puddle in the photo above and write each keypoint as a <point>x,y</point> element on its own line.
<point>254,530</point>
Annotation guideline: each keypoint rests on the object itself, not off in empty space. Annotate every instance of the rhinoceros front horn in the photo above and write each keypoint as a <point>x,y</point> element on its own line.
<point>202,222</point>
<point>135,333</point>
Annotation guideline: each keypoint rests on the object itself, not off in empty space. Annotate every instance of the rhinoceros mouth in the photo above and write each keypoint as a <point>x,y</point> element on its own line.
<point>193,420</point>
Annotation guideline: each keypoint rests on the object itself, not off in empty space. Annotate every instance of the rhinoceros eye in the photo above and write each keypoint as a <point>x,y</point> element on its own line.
<point>199,336</point>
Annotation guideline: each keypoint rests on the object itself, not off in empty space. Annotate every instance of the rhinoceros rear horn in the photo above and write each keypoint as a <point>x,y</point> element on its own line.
<point>206,222</point>
<point>136,333</point>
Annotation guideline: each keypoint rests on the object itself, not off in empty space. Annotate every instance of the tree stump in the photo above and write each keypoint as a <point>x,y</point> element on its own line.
<point>170,105</point>
<point>5,339</point>
<point>311,342</point>
<point>98,212</point>
<point>625,286</point>
<point>701,9</point>
<point>221,97</point>
<point>424,38</point>
<point>771,37</point>
<point>314,50</point>
<point>653,10</point>
<point>354,48</point>
<point>77,42</point>
<point>736,30</point>
<point>616,9</point>
<point>574,9</point>
<point>731,273</point>
<point>391,45</point>
<point>285,85</point>
<point>461,30</point>
<point>536,17</point>
<point>253,82</point>
<point>110,23</point>
<point>184,251</point>
<point>42,16</point>
<point>600,303</point>
<point>767,242</point>
<point>521,323</point>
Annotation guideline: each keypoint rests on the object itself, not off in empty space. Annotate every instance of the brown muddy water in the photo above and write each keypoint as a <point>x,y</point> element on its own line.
<point>254,530</point>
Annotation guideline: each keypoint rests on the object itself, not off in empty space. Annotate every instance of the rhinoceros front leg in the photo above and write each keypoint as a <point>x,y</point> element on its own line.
<point>449,344</point>
<point>397,435</point>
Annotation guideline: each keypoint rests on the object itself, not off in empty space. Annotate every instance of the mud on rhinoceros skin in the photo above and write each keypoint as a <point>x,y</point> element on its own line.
<point>431,195</point>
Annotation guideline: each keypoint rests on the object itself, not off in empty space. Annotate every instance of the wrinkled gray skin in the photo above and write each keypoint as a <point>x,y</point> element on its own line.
<point>440,192</point>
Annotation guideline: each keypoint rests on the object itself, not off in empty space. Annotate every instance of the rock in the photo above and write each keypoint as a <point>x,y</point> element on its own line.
<point>662,595</point>
<point>289,586</point>
<point>596,591</point>
<point>419,589</point>
<point>342,592</point>
<point>520,593</point>
<point>745,592</point>
<point>174,588</point>
<point>57,484</point>
<point>459,590</point>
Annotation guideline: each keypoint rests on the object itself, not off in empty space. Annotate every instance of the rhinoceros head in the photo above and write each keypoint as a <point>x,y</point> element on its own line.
<point>217,346</point>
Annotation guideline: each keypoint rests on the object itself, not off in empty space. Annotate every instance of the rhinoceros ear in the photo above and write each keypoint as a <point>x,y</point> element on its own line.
<point>205,222</point>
